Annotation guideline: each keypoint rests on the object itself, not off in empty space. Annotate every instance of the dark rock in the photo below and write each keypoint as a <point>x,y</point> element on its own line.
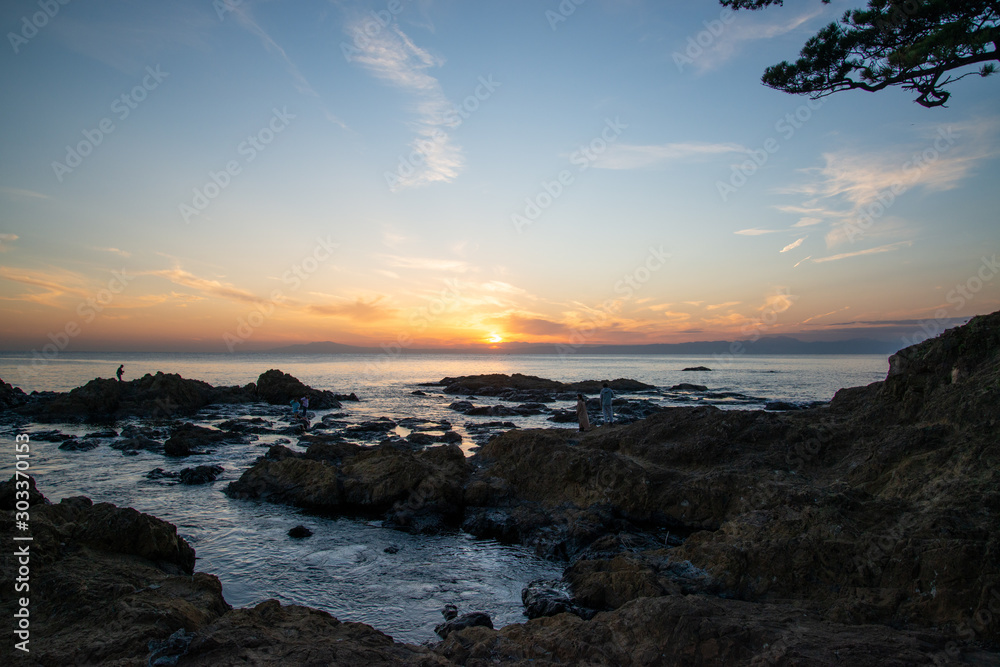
<point>491,411</point>
<point>471,620</point>
<point>71,444</point>
<point>137,442</point>
<point>687,386</point>
<point>449,612</point>
<point>11,396</point>
<point>105,434</point>
<point>698,368</point>
<point>299,532</point>
<point>547,598</point>
<point>416,490</point>
<point>252,425</point>
<point>497,383</point>
<point>200,474</point>
<point>9,493</point>
<point>418,438</point>
<point>169,650</point>
<point>418,393</point>
<point>279,388</point>
<point>162,396</point>
<point>188,438</point>
<point>391,549</point>
<point>160,473</point>
<point>783,406</point>
<point>49,436</point>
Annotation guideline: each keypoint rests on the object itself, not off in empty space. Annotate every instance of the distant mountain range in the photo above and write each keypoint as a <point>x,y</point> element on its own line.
<point>765,345</point>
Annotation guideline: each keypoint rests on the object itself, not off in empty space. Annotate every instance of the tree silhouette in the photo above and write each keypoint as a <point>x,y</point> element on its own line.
<point>917,45</point>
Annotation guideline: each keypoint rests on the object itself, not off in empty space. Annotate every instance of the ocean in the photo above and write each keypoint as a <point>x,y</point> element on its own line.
<point>345,567</point>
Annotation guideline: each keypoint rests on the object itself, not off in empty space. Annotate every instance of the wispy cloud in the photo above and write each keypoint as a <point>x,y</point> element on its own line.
<point>6,240</point>
<point>727,304</point>
<point>427,263</point>
<point>756,232</point>
<point>117,251</point>
<point>390,55</point>
<point>851,183</point>
<point>743,30</point>
<point>802,261</point>
<point>793,245</point>
<point>808,222</point>
<point>54,286</point>
<point>207,286</point>
<point>631,156</point>
<point>359,310</point>
<point>25,194</point>
<point>869,251</point>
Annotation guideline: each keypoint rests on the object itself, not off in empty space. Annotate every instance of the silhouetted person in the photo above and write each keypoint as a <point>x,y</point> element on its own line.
<point>607,395</point>
<point>120,372</point>
<point>581,412</point>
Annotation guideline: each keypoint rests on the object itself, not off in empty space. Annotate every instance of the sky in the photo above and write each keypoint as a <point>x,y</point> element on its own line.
<point>233,176</point>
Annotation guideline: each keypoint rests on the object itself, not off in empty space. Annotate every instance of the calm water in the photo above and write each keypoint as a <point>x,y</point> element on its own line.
<point>344,568</point>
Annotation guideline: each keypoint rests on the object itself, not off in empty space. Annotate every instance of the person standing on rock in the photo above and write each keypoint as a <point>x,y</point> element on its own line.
<point>581,413</point>
<point>607,395</point>
<point>304,401</point>
<point>120,372</point>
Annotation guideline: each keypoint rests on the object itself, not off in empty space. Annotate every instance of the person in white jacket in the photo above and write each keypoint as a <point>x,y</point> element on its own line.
<point>607,395</point>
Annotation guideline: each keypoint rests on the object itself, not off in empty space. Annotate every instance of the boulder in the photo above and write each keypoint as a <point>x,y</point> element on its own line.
<point>416,490</point>
<point>279,388</point>
<point>11,396</point>
<point>200,474</point>
<point>189,439</point>
<point>471,620</point>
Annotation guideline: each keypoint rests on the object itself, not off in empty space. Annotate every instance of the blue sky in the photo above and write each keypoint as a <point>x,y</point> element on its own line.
<point>441,173</point>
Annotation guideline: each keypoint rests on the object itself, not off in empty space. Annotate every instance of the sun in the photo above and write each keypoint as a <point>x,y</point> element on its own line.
<point>495,338</point>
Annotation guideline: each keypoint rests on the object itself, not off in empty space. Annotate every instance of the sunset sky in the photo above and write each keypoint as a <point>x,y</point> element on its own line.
<point>227,175</point>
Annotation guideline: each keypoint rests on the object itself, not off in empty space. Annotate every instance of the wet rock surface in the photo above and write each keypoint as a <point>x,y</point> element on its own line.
<point>413,489</point>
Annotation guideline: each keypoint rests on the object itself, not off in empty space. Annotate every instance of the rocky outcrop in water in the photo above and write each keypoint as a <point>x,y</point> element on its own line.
<point>11,396</point>
<point>159,396</point>
<point>279,388</point>
<point>520,387</point>
<point>414,489</point>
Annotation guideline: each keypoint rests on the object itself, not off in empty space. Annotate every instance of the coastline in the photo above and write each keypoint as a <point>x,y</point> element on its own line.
<point>836,522</point>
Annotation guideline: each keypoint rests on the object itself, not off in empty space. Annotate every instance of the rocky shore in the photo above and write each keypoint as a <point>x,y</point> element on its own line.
<point>863,532</point>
